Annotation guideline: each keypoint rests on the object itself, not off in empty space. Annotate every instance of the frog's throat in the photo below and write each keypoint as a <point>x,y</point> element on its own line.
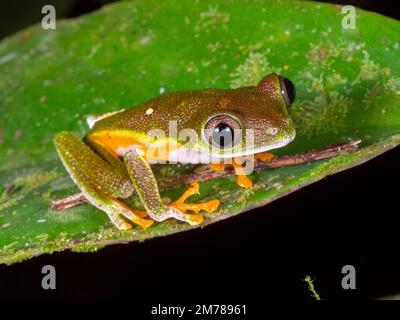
<point>182,155</point>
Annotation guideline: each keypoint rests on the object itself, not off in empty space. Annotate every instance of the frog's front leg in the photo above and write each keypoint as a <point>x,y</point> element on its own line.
<point>147,189</point>
<point>100,182</point>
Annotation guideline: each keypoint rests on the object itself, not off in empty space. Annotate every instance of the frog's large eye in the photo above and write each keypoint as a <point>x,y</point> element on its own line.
<point>222,132</point>
<point>288,90</point>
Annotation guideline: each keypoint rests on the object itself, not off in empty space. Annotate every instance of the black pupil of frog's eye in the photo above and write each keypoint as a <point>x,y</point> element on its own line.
<point>290,90</point>
<point>223,135</point>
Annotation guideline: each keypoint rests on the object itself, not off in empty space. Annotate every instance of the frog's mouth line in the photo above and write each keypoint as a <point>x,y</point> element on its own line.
<point>280,144</point>
<point>182,155</point>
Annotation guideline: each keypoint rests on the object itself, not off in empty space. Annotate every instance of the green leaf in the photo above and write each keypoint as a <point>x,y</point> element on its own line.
<point>348,84</point>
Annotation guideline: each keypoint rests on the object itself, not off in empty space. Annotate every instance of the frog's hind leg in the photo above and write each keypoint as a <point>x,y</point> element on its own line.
<point>100,182</point>
<point>107,155</point>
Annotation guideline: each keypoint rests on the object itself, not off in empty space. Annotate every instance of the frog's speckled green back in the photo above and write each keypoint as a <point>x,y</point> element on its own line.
<point>256,109</point>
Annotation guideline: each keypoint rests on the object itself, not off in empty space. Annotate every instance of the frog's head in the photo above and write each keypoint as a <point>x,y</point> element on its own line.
<point>250,120</point>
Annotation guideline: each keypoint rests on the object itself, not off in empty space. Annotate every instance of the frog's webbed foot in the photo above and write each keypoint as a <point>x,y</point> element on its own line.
<point>146,187</point>
<point>265,156</point>
<point>238,165</point>
<point>118,209</point>
<point>181,205</point>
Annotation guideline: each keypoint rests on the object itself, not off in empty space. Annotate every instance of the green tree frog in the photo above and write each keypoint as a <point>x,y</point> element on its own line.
<point>206,126</point>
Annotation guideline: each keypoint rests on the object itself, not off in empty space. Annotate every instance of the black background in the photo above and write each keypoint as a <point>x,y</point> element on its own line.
<point>348,218</point>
